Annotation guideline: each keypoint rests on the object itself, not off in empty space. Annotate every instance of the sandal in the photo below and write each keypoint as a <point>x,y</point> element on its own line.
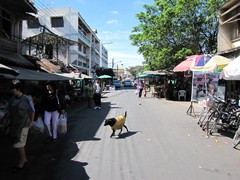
<point>17,168</point>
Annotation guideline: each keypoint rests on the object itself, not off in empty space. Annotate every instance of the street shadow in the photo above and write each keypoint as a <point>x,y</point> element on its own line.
<point>226,133</point>
<point>65,167</point>
<point>126,134</point>
<point>83,125</point>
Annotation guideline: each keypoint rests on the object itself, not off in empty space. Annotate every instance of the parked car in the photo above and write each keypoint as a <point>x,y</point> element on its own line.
<point>117,83</point>
<point>127,83</point>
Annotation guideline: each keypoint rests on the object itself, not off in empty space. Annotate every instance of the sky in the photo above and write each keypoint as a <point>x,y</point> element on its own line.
<point>114,21</point>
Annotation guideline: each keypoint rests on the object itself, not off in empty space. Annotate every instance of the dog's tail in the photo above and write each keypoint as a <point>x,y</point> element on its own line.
<point>125,114</point>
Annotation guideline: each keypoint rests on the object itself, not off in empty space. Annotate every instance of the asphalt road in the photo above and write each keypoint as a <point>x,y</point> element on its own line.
<point>163,143</point>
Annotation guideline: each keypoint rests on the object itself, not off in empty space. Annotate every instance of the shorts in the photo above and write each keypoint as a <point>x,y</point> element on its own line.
<point>23,138</point>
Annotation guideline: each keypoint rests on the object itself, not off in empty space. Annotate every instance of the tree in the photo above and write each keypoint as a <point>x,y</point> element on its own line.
<point>135,70</point>
<point>169,30</point>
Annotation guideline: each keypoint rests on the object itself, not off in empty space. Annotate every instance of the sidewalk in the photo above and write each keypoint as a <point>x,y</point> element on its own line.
<point>41,156</point>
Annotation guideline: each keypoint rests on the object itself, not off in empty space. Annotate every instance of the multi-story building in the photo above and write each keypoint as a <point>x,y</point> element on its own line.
<point>229,29</point>
<point>83,49</point>
<point>229,38</point>
<point>11,15</point>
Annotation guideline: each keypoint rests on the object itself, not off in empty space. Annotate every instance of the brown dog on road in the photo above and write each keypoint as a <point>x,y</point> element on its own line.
<point>116,123</point>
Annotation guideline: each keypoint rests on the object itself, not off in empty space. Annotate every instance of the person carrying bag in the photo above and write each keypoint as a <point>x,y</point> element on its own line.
<point>53,105</point>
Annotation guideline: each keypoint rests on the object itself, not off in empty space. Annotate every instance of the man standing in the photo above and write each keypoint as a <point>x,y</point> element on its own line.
<point>89,92</point>
<point>97,94</point>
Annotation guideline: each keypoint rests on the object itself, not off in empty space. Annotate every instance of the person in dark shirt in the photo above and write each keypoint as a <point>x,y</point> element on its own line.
<point>21,113</point>
<point>52,104</point>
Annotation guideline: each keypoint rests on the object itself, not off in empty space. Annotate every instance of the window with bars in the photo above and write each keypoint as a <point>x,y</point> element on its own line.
<point>57,22</point>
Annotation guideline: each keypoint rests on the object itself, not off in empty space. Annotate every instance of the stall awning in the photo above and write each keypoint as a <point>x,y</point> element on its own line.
<point>7,70</point>
<point>26,74</point>
<point>70,75</point>
<point>14,59</point>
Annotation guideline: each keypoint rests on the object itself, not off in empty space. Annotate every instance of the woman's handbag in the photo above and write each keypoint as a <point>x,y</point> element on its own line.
<point>62,124</point>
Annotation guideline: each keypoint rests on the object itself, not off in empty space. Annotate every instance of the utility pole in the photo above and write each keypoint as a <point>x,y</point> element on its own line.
<point>112,63</point>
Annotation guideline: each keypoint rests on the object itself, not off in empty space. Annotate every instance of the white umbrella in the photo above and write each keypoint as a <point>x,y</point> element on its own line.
<point>232,70</point>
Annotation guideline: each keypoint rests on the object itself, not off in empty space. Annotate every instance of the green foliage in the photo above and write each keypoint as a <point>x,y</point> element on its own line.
<point>135,70</point>
<point>169,30</point>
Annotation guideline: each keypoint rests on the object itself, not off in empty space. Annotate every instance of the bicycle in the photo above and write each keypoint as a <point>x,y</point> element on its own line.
<point>236,138</point>
<point>228,116</point>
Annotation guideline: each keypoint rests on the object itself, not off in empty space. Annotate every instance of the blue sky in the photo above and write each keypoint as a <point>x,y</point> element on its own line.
<point>114,20</point>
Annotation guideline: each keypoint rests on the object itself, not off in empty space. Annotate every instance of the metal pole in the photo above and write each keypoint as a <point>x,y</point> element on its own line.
<point>112,63</point>
<point>117,71</point>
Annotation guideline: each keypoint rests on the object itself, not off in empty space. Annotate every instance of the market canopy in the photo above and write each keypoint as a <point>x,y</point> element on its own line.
<point>150,74</point>
<point>7,70</point>
<point>14,59</point>
<point>215,64</point>
<point>144,75</point>
<point>232,70</point>
<point>26,74</point>
<point>105,77</point>
<point>70,75</point>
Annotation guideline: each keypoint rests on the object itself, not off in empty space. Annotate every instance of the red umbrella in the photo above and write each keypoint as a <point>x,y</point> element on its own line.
<point>186,64</point>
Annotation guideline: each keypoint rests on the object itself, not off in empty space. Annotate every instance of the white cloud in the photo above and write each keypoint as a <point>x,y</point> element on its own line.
<point>114,12</point>
<point>112,21</point>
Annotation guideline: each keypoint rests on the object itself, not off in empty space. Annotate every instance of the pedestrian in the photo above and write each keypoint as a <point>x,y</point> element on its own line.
<point>97,94</point>
<point>21,114</point>
<point>145,90</point>
<point>52,105</point>
<point>89,92</point>
<point>140,88</point>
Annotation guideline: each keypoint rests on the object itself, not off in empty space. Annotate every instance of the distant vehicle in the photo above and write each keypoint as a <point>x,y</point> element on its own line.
<point>127,83</point>
<point>117,83</point>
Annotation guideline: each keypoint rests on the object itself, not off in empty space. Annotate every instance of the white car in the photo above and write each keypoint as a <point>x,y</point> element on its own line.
<point>127,83</point>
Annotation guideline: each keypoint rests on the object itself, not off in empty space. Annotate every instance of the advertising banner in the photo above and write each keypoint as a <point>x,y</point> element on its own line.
<point>204,83</point>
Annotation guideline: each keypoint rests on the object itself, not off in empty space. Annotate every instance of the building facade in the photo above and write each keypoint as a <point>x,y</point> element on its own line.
<point>11,15</point>
<point>229,38</point>
<point>83,49</point>
<point>229,29</point>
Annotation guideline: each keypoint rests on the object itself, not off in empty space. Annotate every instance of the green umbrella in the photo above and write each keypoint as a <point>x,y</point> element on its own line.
<point>105,77</point>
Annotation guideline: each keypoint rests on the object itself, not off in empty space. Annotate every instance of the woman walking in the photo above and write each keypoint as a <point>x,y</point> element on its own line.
<point>140,88</point>
<point>52,104</point>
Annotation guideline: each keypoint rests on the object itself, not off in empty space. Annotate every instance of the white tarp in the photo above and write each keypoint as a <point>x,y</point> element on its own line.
<point>232,70</point>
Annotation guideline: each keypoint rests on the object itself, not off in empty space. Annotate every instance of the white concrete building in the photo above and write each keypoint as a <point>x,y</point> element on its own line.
<point>84,50</point>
